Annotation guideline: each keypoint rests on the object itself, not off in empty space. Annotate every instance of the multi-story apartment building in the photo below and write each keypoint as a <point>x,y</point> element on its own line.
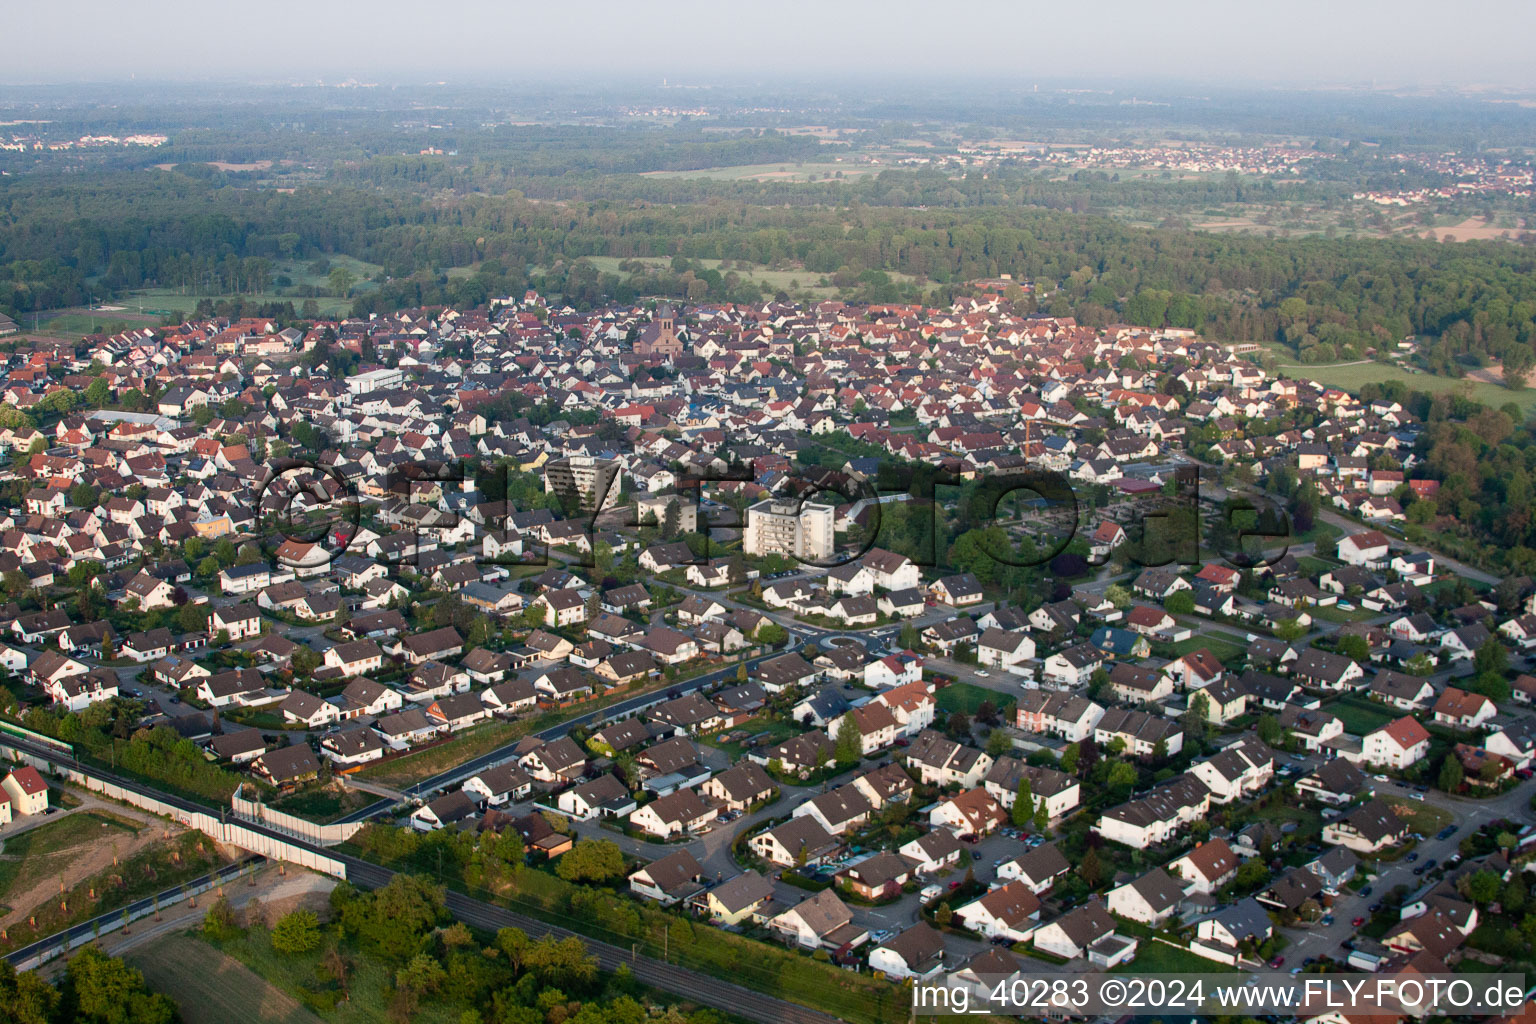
<point>788,528</point>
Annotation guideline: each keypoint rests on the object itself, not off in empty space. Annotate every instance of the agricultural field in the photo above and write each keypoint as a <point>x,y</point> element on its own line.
<point>779,280</point>
<point>212,987</point>
<point>1352,376</point>
<point>784,172</point>
<point>185,300</point>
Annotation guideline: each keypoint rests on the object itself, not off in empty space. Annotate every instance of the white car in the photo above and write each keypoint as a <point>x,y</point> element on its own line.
<point>983,674</point>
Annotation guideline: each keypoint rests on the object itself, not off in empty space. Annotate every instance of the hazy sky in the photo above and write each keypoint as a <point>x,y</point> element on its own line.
<point>1233,41</point>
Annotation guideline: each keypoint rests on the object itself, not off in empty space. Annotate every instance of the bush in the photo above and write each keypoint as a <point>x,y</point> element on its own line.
<point>296,933</point>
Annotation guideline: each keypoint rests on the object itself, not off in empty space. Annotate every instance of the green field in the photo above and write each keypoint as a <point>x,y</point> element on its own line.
<point>1352,376</point>
<point>212,988</point>
<point>45,851</point>
<point>775,279</point>
<point>172,300</point>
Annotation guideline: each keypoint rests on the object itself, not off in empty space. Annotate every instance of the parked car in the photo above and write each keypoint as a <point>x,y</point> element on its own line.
<point>1357,922</point>
<point>1412,857</point>
<point>1276,963</point>
<point>1446,832</point>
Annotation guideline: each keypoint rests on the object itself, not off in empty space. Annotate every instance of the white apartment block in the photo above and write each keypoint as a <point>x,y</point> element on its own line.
<point>788,528</point>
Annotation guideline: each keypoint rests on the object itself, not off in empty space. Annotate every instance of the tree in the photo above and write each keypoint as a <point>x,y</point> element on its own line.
<point>1290,630</point>
<point>1355,648</point>
<point>1089,869</point>
<point>1122,775</point>
<point>1491,657</point>
<point>1069,758</point>
<point>1252,873</point>
<point>1120,597</point>
<point>1023,802</point>
<point>1483,886</point>
<point>296,933</point>
<point>1197,719</point>
<point>848,745</point>
<point>998,743</point>
<point>396,918</point>
<point>591,860</point>
<point>562,962</point>
<point>98,393</point>
<point>1269,730</point>
<point>26,997</point>
<point>943,914</point>
<point>1180,602</point>
<point>1042,818</point>
<point>192,618</point>
<point>1515,894</point>
<point>1451,774</point>
<point>99,989</point>
<point>341,280</point>
<point>422,974</point>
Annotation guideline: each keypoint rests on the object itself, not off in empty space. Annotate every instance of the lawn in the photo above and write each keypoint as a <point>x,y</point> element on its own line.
<point>45,850</point>
<point>778,730</point>
<point>1161,958</point>
<point>1334,614</point>
<point>967,697</point>
<point>212,988</point>
<point>1421,817</point>
<point>1360,715</point>
<point>1225,647</point>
